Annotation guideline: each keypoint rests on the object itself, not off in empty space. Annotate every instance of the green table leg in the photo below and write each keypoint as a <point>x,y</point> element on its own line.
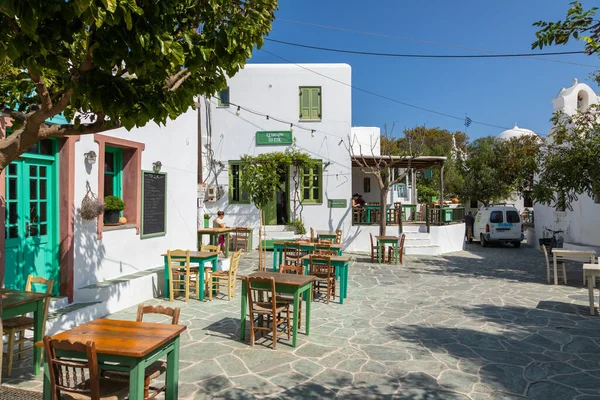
<point>295,323</point>
<point>38,323</point>
<point>172,378</point>
<point>346,267</point>
<point>308,306</point>
<point>341,276</point>
<point>227,244</point>
<point>167,278</point>
<point>47,395</point>
<point>136,381</point>
<point>200,285</point>
<point>199,244</point>
<point>380,252</point>
<point>243,312</point>
<point>250,241</point>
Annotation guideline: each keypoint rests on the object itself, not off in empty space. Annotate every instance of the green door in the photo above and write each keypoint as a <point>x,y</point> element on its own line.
<point>277,210</point>
<point>31,218</point>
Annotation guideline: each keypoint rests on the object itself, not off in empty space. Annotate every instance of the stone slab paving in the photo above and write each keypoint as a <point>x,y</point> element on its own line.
<point>478,324</point>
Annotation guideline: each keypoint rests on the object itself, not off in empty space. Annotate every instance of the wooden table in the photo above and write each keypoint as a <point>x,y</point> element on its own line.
<point>327,235</point>
<point>197,257</point>
<point>213,234</point>
<point>278,248</point>
<point>15,303</point>
<point>382,241</point>
<point>340,263</point>
<point>575,255</point>
<point>373,207</point>
<point>133,346</point>
<point>292,284</point>
<point>590,272</point>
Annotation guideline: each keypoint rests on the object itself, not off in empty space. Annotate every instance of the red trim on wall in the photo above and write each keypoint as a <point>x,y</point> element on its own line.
<point>66,250</point>
<point>132,177</point>
<point>4,123</point>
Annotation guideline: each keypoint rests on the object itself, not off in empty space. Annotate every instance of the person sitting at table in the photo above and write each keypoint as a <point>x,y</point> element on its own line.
<point>357,201</point>
<point>219,222</point>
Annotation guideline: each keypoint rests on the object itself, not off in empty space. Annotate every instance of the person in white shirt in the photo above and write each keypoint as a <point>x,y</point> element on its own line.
<point>219,222</point>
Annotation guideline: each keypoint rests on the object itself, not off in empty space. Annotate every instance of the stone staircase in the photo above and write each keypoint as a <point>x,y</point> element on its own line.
<point>418,241</point>
<point>103,298</point>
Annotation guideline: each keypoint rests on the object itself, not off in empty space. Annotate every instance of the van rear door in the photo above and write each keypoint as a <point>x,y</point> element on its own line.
<point>514,224</point>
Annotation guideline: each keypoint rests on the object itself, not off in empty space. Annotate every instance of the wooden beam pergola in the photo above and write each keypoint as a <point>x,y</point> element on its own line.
<point>418,163</point>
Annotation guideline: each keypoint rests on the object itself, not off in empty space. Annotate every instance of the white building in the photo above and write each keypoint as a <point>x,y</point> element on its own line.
<point>581,224</point>
<point>269,107</point>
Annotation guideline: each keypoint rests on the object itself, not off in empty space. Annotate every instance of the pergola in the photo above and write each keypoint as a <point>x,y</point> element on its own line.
<point>416,163</point>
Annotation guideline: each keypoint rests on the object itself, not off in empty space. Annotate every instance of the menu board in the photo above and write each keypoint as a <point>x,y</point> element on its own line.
<point>154,204</point>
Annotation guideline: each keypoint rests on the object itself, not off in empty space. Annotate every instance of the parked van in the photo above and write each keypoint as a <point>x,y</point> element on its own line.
<point>498,223</point>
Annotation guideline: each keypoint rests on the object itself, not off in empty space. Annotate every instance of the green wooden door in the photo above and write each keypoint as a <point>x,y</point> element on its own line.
<point>270,212</point>
<point>31,220</point>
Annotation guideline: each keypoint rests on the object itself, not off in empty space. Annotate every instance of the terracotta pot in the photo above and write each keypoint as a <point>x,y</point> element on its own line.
<point>122,220</point>
<point>455,201</point>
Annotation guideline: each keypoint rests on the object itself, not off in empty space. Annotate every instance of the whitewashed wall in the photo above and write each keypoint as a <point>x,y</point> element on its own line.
<point>273,89</point>
<point>122,252</point>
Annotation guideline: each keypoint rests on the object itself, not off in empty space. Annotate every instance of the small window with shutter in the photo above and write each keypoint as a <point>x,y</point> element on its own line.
<point>310,103</point>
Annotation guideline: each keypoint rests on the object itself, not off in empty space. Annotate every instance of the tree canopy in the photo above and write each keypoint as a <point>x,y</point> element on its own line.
<point>112,63</point>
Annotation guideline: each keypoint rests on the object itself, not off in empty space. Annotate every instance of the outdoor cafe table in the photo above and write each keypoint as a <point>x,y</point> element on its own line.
<point>213,237</point>
<point>15,303</point>
<point>567,254</point>
<point>127,346</point>
<point>292,284</point>
<point>340,263</point>
<point>381,242</point>
<point>278,248</point>
<point>327,235</point>
<point>373,207</point>
<point>196,257</point>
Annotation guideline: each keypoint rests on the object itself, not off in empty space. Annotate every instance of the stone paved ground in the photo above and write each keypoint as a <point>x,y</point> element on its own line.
<point>478,324</point>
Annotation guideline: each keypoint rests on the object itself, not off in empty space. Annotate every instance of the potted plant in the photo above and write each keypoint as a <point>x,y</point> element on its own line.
<point>206,220</point>
<point>112,209</point>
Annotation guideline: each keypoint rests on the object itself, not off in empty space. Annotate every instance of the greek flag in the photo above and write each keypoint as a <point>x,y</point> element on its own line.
<point>468,121</point>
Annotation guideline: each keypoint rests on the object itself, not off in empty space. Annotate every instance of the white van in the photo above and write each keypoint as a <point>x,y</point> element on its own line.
<point>498,223</point>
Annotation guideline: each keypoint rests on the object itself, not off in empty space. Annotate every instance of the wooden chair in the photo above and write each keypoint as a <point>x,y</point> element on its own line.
<point>227,278</point>
<point>548,255</point>
<point>292,254</point>
<point>77,379</point>
<point>321,268</point>
<point>208,268</point>
<point>291,269</point>
<point>395,251</point>
<point>180,273</point>
<point>358,215</point>
<point>157,368</point>
<point>312,235</point>
<point>338,236</point>
<point>242,239</point>
<point>325,249</point>
<point>375,251</point>
<point>325,241</point>
<point>262,304</point>
<point>18,325</point>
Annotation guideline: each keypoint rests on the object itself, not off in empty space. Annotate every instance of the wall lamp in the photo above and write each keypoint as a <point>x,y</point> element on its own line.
<point>156,166</point>
<point>90,157</point>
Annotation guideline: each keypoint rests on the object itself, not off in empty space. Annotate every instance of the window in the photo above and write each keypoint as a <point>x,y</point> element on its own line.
<point>402,190</point>
<point>311,185</point>
<point>527,200</point>
<point>223,98</point>
<point>474,204</point>
<point>367,185</point>
<point>113,168</point>
<point>512,217</point>
<point>496,217</point>
<point>236,194</point>
<point>310,103</point>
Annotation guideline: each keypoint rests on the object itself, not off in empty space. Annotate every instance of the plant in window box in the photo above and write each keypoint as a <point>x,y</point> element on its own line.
<point>112,209</point>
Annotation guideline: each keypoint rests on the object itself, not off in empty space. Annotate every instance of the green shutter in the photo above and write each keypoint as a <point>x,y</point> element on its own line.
<point>304,102</point>
<point>236,194</point>
<point>315,103</point>
<point>230,182</point>
<point>311,189</point>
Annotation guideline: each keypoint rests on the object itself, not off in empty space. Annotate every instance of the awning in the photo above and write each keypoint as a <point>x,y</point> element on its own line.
<point>421,162</point>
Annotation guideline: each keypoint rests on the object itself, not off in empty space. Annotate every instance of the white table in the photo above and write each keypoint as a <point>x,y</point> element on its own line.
<point>590,272</point>
<point>586,256</point>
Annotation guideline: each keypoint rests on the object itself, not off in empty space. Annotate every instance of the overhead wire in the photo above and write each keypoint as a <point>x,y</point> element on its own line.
<point>535,57</point>
<point>384,96</point>
<point>403,55</point>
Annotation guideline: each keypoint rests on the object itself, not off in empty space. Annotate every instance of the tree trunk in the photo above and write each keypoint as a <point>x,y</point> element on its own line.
<point>382,210</point>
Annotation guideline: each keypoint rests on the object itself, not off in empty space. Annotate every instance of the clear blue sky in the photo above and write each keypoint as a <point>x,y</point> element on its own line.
<point>496,91</point>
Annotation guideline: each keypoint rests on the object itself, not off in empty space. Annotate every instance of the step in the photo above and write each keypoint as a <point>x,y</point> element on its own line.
<point>419,241</point>
<point>58,303</point>
<point>73,315</point>
<point>410,235</point>
<point>422,250</point>
<point>276,228</point>
<point>414,228</point>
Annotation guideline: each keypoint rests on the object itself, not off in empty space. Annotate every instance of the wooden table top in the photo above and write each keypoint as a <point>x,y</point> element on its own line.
<point>199,254</point>
<point>577,252</point>
<point>327,233</point>
<point>387,237</point>
<point>122,338</point>
<point>332,258</point>
<point>307,243</point>
<point>13,298</point>
<point>283,279</point>
<point>215,230</point>
<point>591,266</point>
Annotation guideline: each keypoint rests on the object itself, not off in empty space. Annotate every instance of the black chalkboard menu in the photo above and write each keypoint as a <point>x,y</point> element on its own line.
<point>154,204</point>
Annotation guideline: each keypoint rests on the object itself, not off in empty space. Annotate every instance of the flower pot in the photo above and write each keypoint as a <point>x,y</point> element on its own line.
<point>111,217</point>
<point>206,222</point>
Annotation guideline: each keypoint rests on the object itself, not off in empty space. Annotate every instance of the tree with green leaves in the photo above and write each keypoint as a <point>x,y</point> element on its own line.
<point>261,174</point>
<point>569,166</point>
<point>106,64</point>
<point>496,170</point>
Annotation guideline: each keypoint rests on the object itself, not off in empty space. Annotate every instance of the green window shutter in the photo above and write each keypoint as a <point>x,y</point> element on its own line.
<point>315,103</point>
<point>304,103</point>
<point>230,182</point>
<point>224,98</point>
<point>236,194</point>
<point>311,185</point>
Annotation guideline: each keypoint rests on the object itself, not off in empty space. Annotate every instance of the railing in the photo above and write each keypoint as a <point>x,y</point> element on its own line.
<point>430,215</point>
<point>436,215</point>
